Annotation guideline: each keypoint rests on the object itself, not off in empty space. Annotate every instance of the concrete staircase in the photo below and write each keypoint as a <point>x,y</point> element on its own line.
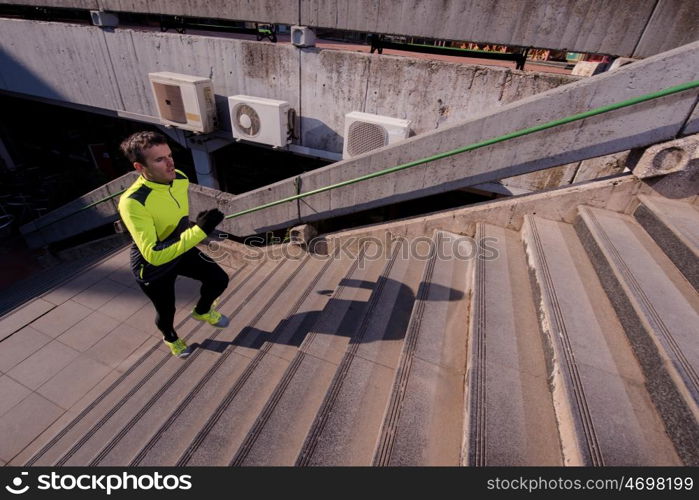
<point>559,343</point>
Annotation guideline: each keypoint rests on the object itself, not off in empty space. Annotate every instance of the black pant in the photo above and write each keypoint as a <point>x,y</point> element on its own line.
<point>193,264</point>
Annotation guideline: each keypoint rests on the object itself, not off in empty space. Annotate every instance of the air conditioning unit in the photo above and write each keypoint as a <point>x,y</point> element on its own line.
<point>261,120</point>
<point>366,132</point>
<point>184,101</point>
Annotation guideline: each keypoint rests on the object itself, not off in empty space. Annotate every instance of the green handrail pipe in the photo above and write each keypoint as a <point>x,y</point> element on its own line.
<point>502,138</point>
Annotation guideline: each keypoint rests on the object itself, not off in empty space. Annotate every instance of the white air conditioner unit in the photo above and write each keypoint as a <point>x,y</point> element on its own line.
<point>261,120</point>
<point>366,132</point>
<point>184,101</point>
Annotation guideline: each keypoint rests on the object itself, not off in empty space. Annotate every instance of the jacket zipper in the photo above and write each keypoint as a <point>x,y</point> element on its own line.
<point>169,189</point>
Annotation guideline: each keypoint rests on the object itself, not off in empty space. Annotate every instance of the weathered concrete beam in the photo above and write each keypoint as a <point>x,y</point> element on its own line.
<point>638,29</point>
<point>69,4</point>
<point>674,23</point>
<point>642,125</point>
<point>265,11</point>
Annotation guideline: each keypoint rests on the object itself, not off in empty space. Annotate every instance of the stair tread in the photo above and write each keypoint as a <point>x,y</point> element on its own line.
<point>424,421</point>
<point>655,285</point>
<point>603,418</point>
<point>347,426</point>
<point>277,437</point>
<point>511,419</point>
<point>44,281</point>
<point>654,291</point>
<point>674,225</point>
<point>681,217</point>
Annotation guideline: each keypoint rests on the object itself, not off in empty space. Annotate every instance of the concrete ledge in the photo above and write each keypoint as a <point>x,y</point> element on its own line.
<point>68,221</point>
<point>669,157</point>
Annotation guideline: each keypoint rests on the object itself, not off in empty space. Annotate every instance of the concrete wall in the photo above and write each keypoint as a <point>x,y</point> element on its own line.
<point>639,28</point>
<point>110,61</point>
<point>89,66</point>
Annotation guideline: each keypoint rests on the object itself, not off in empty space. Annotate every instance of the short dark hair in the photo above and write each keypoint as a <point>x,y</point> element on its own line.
<point>135,144</point>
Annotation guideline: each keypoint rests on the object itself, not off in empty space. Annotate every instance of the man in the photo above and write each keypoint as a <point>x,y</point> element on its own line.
<point>155,210</point>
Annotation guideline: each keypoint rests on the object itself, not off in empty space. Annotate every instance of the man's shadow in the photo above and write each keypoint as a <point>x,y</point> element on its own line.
<point>353,323</point>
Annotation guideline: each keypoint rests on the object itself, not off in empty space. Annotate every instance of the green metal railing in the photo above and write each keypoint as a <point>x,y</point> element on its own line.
<point>477,145</point>
<point>502,138</point>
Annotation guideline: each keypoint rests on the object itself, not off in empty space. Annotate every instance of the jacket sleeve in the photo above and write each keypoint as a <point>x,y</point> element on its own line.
<point>140,224</point>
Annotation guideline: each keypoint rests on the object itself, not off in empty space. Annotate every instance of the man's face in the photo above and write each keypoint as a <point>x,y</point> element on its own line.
<point>159,166</point>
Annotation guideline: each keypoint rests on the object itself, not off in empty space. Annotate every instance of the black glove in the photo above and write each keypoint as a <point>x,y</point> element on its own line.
<point>209,219</point>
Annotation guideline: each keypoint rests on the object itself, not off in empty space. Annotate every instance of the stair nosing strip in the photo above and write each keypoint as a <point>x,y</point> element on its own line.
<point>573,374</point>
<point>386,439</point>
<point>477,405</point>
<point>652,316</point>
<point>337,382</point>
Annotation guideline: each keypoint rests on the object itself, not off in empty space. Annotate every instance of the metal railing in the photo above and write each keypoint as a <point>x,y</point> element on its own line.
<point>502,138</point>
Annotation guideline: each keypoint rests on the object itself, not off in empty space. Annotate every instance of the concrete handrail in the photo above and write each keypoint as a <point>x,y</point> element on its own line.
<point>502,138</point>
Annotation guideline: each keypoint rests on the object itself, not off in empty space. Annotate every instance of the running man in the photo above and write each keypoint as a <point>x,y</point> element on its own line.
<point>155,210</point>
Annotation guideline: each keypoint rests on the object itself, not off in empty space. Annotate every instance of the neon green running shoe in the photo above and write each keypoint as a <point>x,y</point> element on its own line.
<point>213,317</point>
<point>178,348</point>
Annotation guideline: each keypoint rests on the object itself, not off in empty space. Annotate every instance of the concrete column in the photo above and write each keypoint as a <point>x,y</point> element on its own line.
<point>204,165</point>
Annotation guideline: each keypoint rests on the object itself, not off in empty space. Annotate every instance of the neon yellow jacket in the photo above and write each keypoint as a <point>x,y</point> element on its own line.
<point>157,217</point>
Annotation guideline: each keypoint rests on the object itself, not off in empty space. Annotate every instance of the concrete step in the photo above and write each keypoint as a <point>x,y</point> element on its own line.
<point>348,423</point>
<point>509,411</point>
<point>659,310</point>
<point>423,417</point>
<point>225,357</point>
<point>217,441</point>
<point>228,371</point>
<point>277,435</point>
<point>87,425</point>
<point>605,414</point>
<point>674,225</point>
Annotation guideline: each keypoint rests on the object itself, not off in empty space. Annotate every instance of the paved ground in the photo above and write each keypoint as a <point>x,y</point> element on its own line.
<point>60,346</point>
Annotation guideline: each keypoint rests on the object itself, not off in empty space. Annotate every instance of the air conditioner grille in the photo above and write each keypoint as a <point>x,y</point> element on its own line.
<point>364,136</point>
<point>246,120</point>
